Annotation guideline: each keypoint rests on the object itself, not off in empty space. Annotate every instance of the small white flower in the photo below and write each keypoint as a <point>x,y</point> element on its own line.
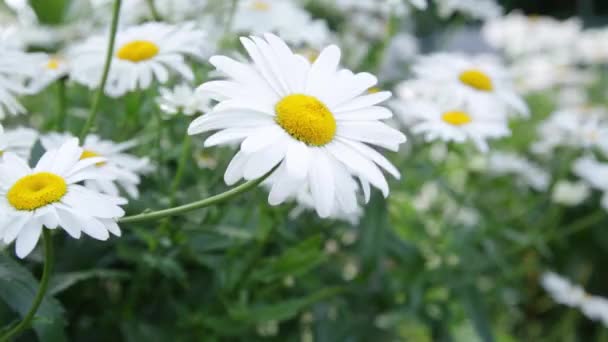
<point>570,193</point>
<point>53,67</point>
<point>118,170</point>
<point>49,196</point>
<point>315,122</point>
<point>564,292</point>
<point>449,120</point>
<point>503,163</point>
<point>478,79</point>
<point>478,9</point>
<point>283,17</point>
<point>142,54</point>
<point>182,99</point>
<point>17,68</point>
<point>18,141</point>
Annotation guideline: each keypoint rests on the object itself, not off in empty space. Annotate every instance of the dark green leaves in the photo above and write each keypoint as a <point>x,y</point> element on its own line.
<point>18,288</point>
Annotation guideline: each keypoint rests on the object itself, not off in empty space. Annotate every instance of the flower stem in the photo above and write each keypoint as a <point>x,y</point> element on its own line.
<point>179,173</point>
<point>153,10</point>
<point>213,200</point>
<point>61,104</point>
<point>44,282</point>
<point>106,69</point>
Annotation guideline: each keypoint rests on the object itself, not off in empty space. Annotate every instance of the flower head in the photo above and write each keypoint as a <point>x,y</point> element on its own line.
<point>141,54</point>
<point>49,196</point>
<point>315,121</point>
<point>119,168</point>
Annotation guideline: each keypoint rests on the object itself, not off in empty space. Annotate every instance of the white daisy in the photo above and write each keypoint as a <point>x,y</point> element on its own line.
<point>49,196</point>
<point>284,17</point>
<point>53,67</point>
<point>182,99</point>
<point>142,54</point>
<point>479,79</point>
<point>564,292</point>
<point>570,193</point>
<point>18,141</point>
<point>446,119</point>
<point>504,163</point>
<point>17,68</point>
<point>315,121</point>
<point>119,169</point>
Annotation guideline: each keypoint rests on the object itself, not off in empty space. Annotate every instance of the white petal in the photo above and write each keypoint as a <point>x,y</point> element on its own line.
<point>28,238</point>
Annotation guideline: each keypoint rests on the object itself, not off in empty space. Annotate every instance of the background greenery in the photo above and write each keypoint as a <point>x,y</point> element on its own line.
<point>244,271</point>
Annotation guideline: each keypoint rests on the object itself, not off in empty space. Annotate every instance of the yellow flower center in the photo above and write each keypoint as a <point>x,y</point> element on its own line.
<point>53,63</point>
<point>306,119</point>
<point>137,51</point>
<point>1,153</point>
<point>477,79</point>
<point>373,90</point>
<point>91,154</point>
<point>36,191</point>
<point>260,5</point>
<point>456,118</point>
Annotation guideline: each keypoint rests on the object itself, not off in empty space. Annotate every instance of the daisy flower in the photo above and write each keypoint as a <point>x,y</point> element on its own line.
<point>141,54</point>
<point>505,163</point>
<point>49,196</point>
<point>452,120</point>
<point>17,68</point>
<point>480,79</point>
<point>314,120</point>
<point>284,17</point>
<point>182,99</point>
<point>118,170</point>
<point>53,67</point>
<point>18,141</point>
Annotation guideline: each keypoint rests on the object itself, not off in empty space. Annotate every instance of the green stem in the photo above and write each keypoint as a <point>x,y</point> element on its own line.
<point>106,69</point>
<point>213,200</point>
<point>61,104</point>
<point>154,11</point>
<point>44,282</point>
<point>179,173</point>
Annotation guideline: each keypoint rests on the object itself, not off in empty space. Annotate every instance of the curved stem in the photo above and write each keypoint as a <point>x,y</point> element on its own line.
<point>155,215</point>
<point>106,69</point>
<point>44,282</point>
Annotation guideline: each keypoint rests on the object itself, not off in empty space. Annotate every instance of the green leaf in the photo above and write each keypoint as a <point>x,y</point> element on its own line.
<point>295,261</point>
<point>281,311</point>
<point>477,313</point>
<point>50,12</point>
<point>18,288</point>
<point>61,282</point>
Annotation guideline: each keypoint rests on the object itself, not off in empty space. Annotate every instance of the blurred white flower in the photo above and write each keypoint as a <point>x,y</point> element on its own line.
<point>591,46</point>
<point>447,119</point>
<point>18,141</point>
<point>118,168</point>
<point>585,128</point>
<point>478,9</point>
<point>570,193</point>
<point>17,68</point>
<point>284,17</point>
<point>519,35</point>
<point>53,68</point>
<point>504,163</point>
<point>564,292</point>
<point>182,99</point>
<point>142,54</point>
<point>593,172</point>
<point>479,79</point>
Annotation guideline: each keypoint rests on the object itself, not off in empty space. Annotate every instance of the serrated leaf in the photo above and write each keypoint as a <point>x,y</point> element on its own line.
<point>18,288</point>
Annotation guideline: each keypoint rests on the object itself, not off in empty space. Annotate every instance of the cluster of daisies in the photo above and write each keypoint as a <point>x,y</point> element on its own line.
<point>72,186</point>
<point>459,98</point>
